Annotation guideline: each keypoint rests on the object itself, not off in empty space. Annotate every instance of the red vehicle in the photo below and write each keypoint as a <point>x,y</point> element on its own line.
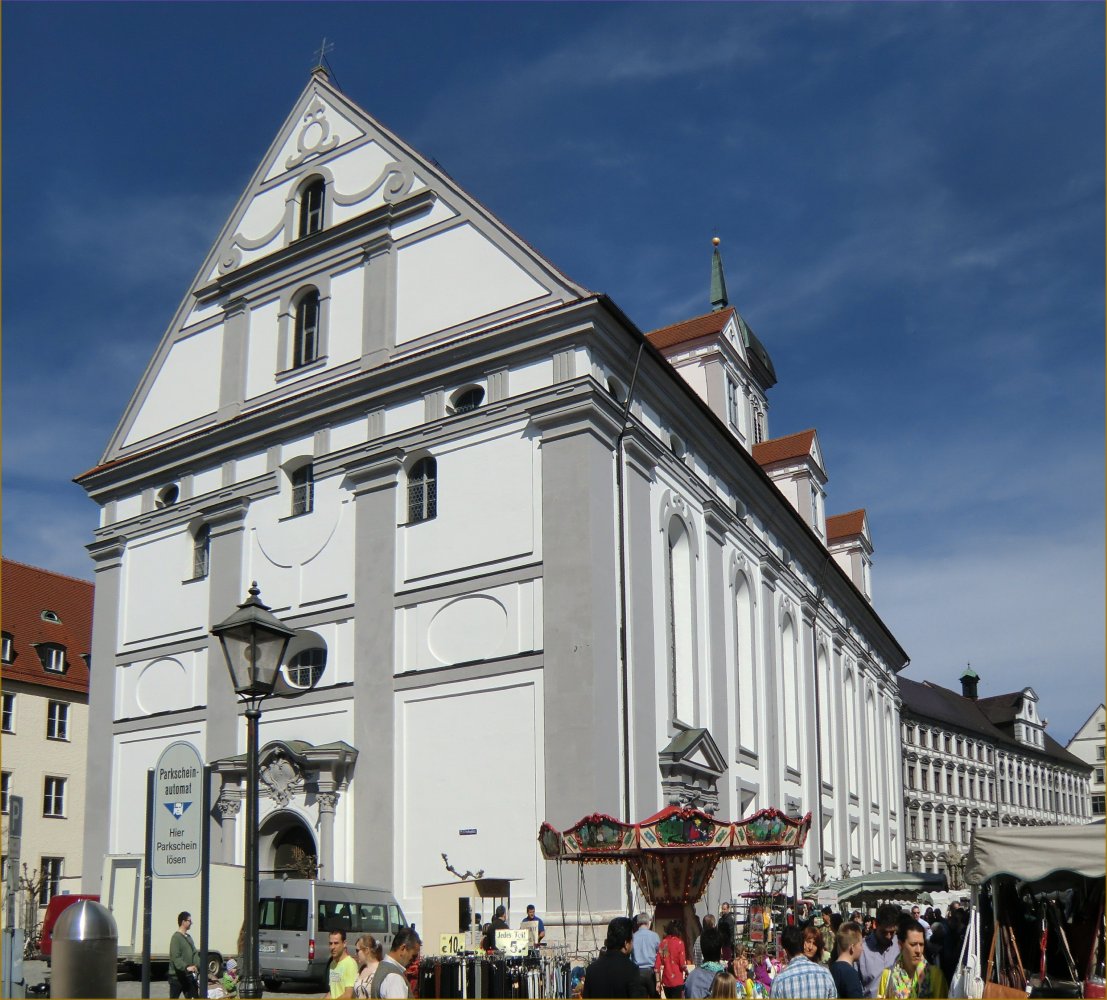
<point>54,909</point>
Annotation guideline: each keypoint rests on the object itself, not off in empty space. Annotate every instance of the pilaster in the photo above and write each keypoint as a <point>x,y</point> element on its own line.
<point>378,332</point>
<point>107,555</point>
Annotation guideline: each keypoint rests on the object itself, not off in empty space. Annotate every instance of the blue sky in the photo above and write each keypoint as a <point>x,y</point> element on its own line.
<point>910,197</point>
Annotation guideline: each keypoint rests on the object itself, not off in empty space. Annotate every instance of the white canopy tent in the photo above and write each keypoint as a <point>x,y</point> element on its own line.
<point>1034,852</point>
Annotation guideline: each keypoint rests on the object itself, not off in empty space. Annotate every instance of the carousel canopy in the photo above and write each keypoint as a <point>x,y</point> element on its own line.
<point>673,853</point>
<point>880,885</point>
<point>603,839</point>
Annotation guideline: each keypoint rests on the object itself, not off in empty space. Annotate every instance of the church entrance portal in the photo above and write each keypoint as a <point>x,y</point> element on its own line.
<point>283,837</point>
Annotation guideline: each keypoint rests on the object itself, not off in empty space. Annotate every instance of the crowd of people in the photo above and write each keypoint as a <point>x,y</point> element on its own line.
<point>890,954</point>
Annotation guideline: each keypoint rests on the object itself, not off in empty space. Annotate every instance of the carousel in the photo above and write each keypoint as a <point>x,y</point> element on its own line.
<point>673,854</point>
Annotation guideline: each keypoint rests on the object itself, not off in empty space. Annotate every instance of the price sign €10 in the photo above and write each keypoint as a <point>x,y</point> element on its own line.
<point>451,944</point>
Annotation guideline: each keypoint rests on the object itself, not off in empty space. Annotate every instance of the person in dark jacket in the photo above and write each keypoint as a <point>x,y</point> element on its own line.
<point>614,974</point>
<point>844,968</point>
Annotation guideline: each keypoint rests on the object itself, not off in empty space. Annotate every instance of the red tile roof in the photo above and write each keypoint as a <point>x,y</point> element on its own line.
<point>27,591</point>
<point>690,329</point>
<point>845,525</point>
<point>783,449</point>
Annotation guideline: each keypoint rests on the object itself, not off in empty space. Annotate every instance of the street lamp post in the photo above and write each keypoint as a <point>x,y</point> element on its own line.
<point>254,642</point>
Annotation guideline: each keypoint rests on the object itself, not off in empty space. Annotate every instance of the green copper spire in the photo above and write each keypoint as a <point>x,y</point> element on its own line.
<point>718,282</point>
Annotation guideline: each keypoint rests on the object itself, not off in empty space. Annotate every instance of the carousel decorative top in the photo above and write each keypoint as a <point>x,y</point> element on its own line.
<point>603,839</point>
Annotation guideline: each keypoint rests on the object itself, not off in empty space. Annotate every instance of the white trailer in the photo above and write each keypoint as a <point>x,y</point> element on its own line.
<point>121,892</point>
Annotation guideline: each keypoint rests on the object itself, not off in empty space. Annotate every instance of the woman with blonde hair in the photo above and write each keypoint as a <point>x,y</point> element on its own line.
<point>724,985</point>
<point>369,955</point>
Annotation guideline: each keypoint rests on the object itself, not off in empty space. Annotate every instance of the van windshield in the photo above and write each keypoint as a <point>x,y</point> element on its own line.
<point>279,913</point>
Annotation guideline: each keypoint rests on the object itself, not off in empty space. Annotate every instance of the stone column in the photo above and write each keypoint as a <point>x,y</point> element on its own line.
<point>107,554</point>
<point>327,800</point>
<point>227,807</point>
<point>373,479</point>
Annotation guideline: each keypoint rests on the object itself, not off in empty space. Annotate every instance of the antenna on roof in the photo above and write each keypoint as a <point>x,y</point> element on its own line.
<point>322,63</point>
<point>719,298</point>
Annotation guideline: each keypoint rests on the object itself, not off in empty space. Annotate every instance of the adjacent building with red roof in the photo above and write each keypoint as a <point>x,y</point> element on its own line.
<point>46,623</point>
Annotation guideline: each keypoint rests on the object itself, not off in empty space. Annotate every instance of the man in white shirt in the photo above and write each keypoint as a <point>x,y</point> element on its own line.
<point>916,916</point>
<point>390,981</point>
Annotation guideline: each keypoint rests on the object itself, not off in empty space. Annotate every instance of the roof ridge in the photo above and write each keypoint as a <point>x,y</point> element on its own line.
<point>42,569</point>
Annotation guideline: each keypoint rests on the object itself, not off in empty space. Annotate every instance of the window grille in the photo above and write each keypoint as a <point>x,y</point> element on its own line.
<point>468,400</point>
<point>306,667</point>
<point>422,491</point>
<point>303,490</point>
<point>201,552</point>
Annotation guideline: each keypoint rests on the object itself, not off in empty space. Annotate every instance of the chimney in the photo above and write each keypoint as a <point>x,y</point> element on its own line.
<point>969,680</point>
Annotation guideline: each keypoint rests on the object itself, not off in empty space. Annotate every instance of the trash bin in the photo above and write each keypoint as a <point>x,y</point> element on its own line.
<point>84,952</point>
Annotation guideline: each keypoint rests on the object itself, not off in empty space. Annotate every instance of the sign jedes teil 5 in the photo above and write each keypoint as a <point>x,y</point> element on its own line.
<point>178,812</point>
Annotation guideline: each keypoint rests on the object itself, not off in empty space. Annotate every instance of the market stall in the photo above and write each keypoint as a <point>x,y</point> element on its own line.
<point>878,887</point>
<point>1038,893</point>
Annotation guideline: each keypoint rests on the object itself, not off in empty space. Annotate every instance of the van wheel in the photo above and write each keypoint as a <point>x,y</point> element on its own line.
<point>271,985</point>
<point>215,964</point>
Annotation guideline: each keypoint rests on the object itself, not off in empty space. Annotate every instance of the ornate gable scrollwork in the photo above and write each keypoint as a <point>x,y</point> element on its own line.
<point>281,778</point>
<point>315,135</point>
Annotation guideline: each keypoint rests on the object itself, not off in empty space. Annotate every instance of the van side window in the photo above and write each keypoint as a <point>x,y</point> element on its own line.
<point>294,915</point>
<point>372,919</point>
<point>335,916</point>
<point>269,919</point>
<point>395,917</point>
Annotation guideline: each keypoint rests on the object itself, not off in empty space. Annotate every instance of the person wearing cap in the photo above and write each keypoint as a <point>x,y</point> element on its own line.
<point>644,953</point>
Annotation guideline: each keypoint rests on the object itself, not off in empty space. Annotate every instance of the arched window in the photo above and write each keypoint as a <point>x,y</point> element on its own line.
<point>422,491</point>
<point>682,631</point>
<point>305,347</point>
<point>467,399</point>
<point>303,489</point>
<point>311,207</point>
<point>306,667</point>
<point>201,552</point>
<point>789,694</point>
<point>747,675</point>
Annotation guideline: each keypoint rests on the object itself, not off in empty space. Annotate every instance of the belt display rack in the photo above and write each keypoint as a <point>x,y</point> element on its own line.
<point>476,977</point>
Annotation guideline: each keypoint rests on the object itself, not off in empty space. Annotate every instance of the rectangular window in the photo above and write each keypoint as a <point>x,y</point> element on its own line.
<point>910,734</point>
<point>51,869</point>
<point>1099,752</point>
<point>5,790</point>
<point>1098,804</point>
<point>57,721</point>
<point>960,747</point>
<point>961,785</point>
<point>913,826</point>
<point>53,796</point>
<point>1099,775</point>
<point>1101,726</point>
<point>949,782</point>
<point>926,827</point>
<point>8,725</point>
<point>303,490</point>
<point>7,651</point>
<point>948,742</point>
<point>924,779</point>
<point>910,776</point>
<point>732,402</point>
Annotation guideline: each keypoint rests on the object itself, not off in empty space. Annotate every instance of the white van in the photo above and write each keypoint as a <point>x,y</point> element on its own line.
<point>295,917</point>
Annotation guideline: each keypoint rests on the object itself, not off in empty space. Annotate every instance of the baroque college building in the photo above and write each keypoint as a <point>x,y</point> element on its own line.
<point>459,474</point>
<point>970,761</point>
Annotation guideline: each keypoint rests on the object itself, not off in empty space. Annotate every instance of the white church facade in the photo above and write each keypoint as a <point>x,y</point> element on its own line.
<point>526,547</point>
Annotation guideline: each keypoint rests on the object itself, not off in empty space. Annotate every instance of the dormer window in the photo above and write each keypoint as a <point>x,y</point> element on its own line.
<point>50,616</point>
<point>467,399</point>
<point>7,648</point>
<point>52,656</point>
<point>312,200</point>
